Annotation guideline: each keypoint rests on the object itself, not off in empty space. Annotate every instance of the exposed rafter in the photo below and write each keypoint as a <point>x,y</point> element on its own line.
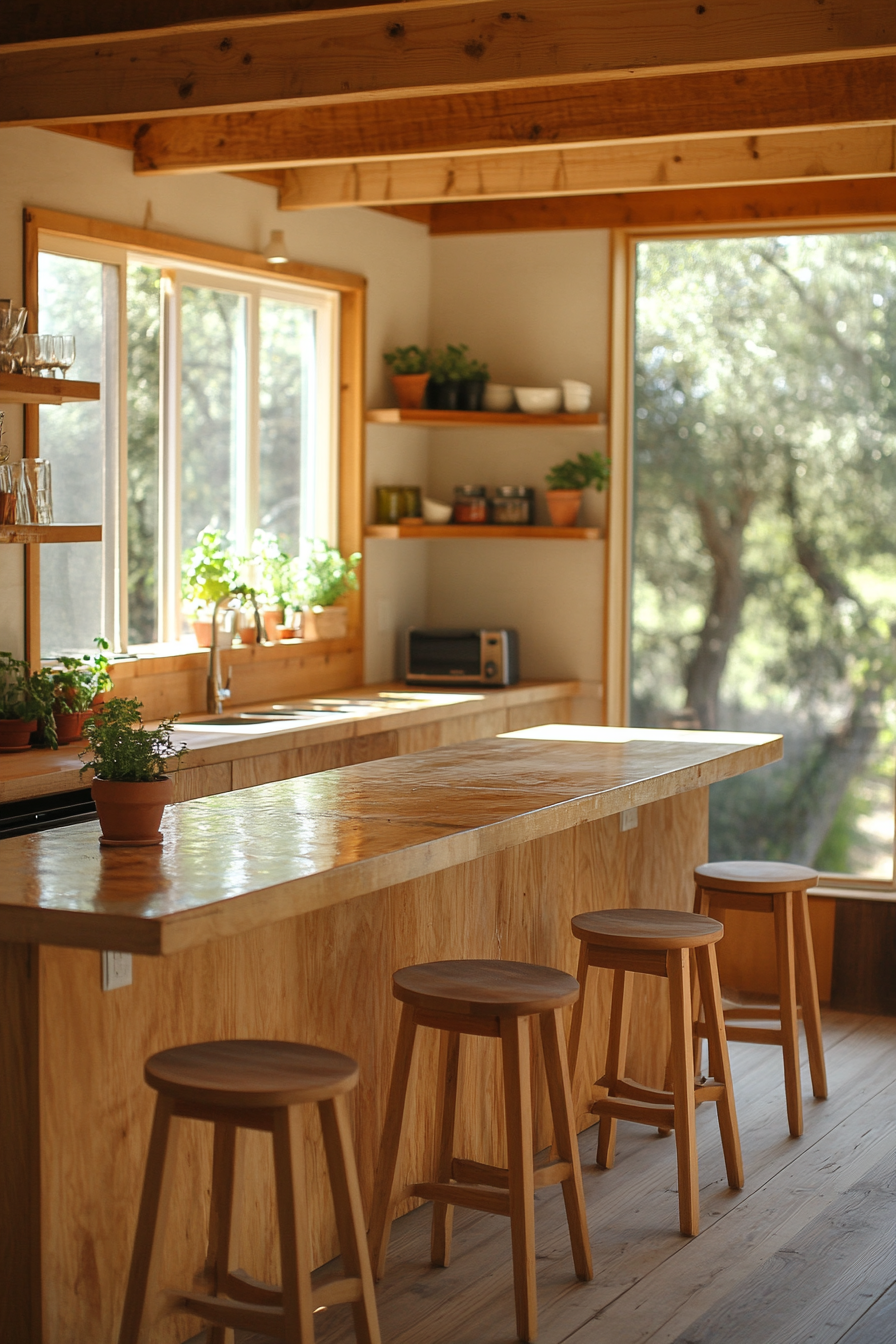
<point>420,47</point>
<point>787,157</point>
<point>748,102</point>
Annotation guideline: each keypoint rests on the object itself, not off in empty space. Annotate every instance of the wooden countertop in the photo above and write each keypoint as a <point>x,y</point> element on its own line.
<point>39,772</point>
<point>236,861</point>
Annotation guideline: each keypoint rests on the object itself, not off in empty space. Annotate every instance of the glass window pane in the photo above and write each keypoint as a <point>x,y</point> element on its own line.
<point>144,324</point>
<point>764,568</point>
<point>286,389</point>
<point>213,410</point>
<point>72,299</point>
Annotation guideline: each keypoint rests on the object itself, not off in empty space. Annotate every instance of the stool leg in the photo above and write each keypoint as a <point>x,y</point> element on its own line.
<point>702,906</point>
<point>295,1242</point>
<point>678,971</point>
<point>565,1139</point>
<point>515,1048</point>
<point>575,1026</point>
<point>617,1044</point>
<point>384,1194</point>
<point>449,1084</point>
<point>719,1063</point>
<point>349,1214</point>
<point>808,986</point>
<point>783,902</point>
<point>223,1228</point>
<point>154,1203</point>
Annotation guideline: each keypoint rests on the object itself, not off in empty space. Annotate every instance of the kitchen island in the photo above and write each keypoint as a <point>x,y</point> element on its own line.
<point>281,911</point>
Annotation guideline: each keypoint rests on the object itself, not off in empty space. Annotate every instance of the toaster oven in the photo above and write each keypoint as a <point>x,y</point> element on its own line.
<point>462,657</point>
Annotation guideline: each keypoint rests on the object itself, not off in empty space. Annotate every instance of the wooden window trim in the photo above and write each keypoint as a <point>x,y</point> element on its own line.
<point>352,290</point>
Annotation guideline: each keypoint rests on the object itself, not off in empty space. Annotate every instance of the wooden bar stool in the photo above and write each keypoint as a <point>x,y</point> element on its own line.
<point>777,889</point>
<point>239,1085</point>
<point>486,998</point>
<point>659,942</point>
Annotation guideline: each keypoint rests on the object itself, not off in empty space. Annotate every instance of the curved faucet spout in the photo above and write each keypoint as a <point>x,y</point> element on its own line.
<point>215,693</point>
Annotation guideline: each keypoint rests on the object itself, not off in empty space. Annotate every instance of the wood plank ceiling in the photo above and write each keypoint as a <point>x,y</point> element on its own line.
<point>569,113</point>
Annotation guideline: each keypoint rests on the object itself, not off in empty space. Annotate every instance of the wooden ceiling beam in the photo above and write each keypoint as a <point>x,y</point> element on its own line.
<point>748,102</point>
<point>788,157</point>
<point>869,202</point>
<point>422,47</point>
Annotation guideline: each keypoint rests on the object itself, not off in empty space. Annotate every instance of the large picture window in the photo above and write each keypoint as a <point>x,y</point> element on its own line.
<point>219,408</point>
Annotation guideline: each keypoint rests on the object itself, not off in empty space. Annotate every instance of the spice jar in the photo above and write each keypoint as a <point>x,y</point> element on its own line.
<point>512,505</point>
<point>389,502</point>
<point>470,504</point>
<point>411,506</point>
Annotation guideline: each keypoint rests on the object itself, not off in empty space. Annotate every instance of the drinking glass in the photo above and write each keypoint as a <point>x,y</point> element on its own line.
<point>35,491</point>
<point>48,355</point>
<point>65,352</point>
<point>8,491</point>
<point>12,320</point>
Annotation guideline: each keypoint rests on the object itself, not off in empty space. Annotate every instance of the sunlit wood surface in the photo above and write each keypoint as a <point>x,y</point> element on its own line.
<point>239,861</point>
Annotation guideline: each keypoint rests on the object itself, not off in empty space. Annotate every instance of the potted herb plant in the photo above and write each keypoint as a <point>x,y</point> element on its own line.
<point>25,697</point>
<point>410,374</point>
<point>448,368</point>
<point>77,683</point>
<point>472,386</point>
<point>130,785</point>
<point>209,574</point>
<point>322,578</point>
<point>568,479</point>
<point>270,569</point>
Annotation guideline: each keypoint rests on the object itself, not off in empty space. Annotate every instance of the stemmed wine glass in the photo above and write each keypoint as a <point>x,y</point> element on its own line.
<point>65,352</point>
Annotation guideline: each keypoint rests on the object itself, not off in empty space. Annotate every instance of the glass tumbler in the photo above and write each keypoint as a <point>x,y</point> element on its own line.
<point>35,503</point>
<point>8,491</point>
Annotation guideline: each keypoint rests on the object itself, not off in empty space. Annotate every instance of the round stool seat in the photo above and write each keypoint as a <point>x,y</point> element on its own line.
<point>485,988</point>
<point>647,930</point>
<point>251,1073</point>
<point>756,877</point>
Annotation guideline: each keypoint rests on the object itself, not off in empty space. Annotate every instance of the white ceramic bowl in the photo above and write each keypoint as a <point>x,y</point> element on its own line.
<point>538,400</point>
<point>436,512</point>
<point>576,396</point>
<point>497,397</point>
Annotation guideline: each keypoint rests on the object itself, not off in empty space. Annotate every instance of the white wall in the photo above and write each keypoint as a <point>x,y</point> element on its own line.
<point>42,168</point>
<point>535,306</point>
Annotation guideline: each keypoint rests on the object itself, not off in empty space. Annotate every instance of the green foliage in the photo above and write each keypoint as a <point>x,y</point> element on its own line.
<point>78,682</point>
<point>271,567</point>
<point>577,473</point>
<point>452,365</point>
<point>144,368</point>
<point>209,571</point>
<point>324,575</point>
<point>123,749</point>
<point>406,359</point>
<point>26,695</point>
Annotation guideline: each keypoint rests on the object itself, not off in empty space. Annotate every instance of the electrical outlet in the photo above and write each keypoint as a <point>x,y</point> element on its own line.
<point>118,969</point>
<point>628,819</point>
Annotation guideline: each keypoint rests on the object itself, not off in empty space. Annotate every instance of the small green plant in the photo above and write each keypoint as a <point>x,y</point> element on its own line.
<point>577,473</point>
<point>449,365</point>
<point>325,575</point>
<point>27,695</point>
<point>271,566</point>
<point>122,749</point>
<point>209,570</point>
<point>79,681</point>
<point>407,359</point>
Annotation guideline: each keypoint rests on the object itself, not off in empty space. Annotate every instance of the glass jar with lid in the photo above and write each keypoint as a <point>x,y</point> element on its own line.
<point>513,505</point>
<point>470,504</point>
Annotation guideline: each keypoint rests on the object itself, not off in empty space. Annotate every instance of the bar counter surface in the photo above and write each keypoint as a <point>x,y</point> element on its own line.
<point>281,911</point>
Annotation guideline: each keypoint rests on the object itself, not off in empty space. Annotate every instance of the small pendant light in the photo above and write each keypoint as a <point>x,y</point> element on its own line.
<point>275,252</point>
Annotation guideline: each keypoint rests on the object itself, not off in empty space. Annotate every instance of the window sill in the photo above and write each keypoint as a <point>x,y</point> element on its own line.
<point>184,655</point>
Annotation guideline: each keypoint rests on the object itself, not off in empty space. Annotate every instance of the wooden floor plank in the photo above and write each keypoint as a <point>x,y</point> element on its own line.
<point>878,1325</point>
<point>650,1283</point>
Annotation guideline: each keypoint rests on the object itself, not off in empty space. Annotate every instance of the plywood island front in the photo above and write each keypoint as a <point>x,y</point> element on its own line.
<point>281,911</point>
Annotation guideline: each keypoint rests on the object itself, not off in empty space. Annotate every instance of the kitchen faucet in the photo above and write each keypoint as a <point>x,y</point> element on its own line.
<point>215,693</point>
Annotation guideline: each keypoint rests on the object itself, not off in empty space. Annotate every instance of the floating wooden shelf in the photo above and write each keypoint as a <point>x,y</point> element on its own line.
<point>499,532</point>
<point>469,419</point>
<point>31,533</point>
<point>21,389</point>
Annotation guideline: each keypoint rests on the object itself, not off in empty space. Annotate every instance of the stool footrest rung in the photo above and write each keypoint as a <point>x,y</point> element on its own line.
<point>752,1035</point>
<point>480,1173</point>
<point>770,1013</point>
<point>641,1112</point>
<point>237,1315</point>
<point>467,1196</point>
<point>705,1089</point>
<point>243,1288</point>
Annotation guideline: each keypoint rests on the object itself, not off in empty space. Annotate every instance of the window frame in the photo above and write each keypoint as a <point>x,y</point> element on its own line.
<point>620,439</point>
<point>344,292</point>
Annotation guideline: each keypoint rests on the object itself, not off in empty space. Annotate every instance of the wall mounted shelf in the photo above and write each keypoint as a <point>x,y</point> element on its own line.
<point>393,415</point>
<point>497,532</point>
<point>21,389</point>
<point>31,533</point>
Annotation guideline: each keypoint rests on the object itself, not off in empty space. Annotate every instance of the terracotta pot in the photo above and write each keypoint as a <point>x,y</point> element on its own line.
<point>130,814</point>
<point>15,734</point>
<point>326,623</point>
<point>70,727</point>
<point>563,506</point>
<point>410,389</point>
<point>272,617</point>
<point>285,632</point>
<point>248,634</point>
<point>203,632</point>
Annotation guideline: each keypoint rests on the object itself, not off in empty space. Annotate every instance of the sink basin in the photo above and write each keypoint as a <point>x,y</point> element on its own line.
<point>247,720</point>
